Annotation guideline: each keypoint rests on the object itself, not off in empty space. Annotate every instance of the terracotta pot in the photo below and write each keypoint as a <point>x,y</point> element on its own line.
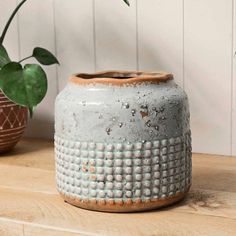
<point>13,120</point>
<point>123,141</point>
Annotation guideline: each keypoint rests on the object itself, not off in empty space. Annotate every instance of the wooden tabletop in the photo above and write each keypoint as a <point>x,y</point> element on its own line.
<point>31,206</point>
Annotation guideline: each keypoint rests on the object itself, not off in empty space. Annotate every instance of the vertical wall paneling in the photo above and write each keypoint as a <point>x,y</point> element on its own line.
<point>160,27</point>
<point>36,27</point>
<point>11,40</point>
<point>195,40</point>
<point>234,82</point>
<point>74,37</point>
<point>115,35</point>
<point>208,26</point>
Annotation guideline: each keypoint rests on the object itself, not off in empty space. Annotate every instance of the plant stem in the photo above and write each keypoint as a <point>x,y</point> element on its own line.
<point>10,20</point>
<point>25,59</point>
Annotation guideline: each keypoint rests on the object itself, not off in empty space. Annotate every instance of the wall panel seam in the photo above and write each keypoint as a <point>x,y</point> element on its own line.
<point>94,35</point>
<point>232,78</point>
<point>18,32</point>
<point>55,45</point>
<point>137,37</point>
<point>183,3</point>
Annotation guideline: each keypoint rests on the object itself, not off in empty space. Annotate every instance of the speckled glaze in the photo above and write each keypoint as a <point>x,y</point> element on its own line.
<point>122,141</point>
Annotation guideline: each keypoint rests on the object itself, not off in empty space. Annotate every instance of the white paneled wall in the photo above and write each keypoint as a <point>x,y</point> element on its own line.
<point>74,24</point>
<point>233,84</point>
<point>208,58</point>
<point>36,28</point>
<point>115,34</point>
<point>160,36</point>
<point>195,40</point>
<point>12,39</point>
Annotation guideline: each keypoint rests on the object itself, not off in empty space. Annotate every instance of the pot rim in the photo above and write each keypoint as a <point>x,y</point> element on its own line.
<point>120,77</point>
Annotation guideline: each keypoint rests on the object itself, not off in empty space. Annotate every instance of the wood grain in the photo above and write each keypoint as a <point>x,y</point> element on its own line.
<point>8,228</point>
<point>214,172</point>
<point>34,153</point>
<point>32,230</point>
<point>50,210</point>
<point>27,179</point>
<point>164,226</point>
<point>19,228</point>
<point>30,205</point>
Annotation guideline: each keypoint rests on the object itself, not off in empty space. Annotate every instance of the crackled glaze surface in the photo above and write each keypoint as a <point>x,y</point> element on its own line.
<point>122,144</point>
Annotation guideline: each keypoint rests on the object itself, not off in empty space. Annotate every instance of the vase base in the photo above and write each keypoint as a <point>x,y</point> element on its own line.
<point>124,206</point>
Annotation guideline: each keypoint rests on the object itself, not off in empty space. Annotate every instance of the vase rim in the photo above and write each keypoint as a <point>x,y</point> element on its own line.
<point>120,77</point>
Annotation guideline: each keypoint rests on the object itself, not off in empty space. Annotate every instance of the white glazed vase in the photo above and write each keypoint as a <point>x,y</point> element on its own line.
<point>122,141</point>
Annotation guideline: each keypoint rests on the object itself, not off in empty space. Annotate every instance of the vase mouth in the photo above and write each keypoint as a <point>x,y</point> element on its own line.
<point>120,77</point>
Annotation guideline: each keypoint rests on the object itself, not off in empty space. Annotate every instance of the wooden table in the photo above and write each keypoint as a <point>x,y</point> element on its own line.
<point>30,205</point>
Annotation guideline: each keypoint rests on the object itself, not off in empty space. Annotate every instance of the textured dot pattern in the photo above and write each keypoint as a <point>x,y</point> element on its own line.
<point>127,172</point>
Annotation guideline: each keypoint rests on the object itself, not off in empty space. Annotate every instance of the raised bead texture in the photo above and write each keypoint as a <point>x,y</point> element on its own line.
<point>135,178</point>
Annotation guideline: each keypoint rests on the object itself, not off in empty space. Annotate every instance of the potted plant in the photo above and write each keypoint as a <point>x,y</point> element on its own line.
<point>23,87</point>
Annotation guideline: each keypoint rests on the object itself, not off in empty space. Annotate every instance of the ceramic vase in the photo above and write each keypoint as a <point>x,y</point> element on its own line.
<point>122,141</point>
<point>13,120</point>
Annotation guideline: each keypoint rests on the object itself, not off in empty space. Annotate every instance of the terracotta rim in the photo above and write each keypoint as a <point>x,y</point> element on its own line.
<point>129,206</point>
<point>120,77</point>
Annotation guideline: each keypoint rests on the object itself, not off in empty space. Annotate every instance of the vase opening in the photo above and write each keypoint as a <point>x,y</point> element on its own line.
<point>121,77</point>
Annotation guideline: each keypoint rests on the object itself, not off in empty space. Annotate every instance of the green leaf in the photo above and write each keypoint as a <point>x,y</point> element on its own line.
<point>4,58</point>
<point>25,86</point>
<point>127,2</point>
<point>44,57</point>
